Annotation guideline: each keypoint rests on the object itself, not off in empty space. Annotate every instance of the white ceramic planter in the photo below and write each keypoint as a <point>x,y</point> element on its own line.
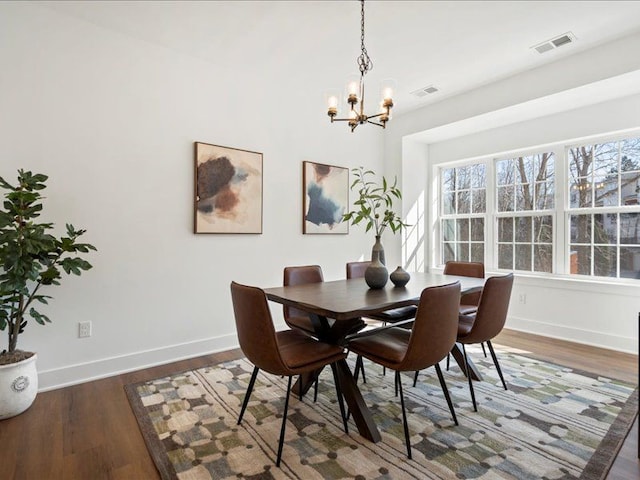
<point>18,387</point>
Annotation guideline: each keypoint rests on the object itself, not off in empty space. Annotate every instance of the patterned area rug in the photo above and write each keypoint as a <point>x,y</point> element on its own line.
<point>553,423</point>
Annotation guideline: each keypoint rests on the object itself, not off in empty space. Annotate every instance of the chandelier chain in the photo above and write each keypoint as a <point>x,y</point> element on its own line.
<point>364,62</point>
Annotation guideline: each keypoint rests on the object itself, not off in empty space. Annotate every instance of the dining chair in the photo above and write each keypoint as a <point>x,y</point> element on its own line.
<point>469,301</point>
<point>356,270</point>
<point>285,353</point>
<point>300,275</point>
<point>487,322</point>
<point>427,343</point>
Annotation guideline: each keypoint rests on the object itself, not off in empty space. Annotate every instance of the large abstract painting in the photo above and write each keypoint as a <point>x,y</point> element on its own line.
<point>228,190</point>
<point>326,198</point>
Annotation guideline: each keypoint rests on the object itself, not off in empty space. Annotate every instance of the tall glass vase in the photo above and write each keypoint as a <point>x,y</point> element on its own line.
<point>378,251</point>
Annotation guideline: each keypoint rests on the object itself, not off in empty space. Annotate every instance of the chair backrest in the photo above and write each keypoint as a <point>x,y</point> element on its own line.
<point>492,309</point>
<point>254,325</point>
<point>435,328</point>
<point>466,269</point>
<point>356,269</point>
<point>300,275</point>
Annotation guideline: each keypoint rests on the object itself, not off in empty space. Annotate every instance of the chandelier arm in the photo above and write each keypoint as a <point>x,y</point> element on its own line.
<point>375,123</point>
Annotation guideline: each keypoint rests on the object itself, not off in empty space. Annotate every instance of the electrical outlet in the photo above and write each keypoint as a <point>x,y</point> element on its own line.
<point>522,298</point>
<point>84,329</point>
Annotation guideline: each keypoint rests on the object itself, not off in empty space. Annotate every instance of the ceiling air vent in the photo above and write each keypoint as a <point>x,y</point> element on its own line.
<point>559,41</point>
<point>423,92</point>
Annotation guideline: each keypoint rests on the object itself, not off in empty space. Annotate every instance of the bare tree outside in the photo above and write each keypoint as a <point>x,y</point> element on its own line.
<point>526,184</point>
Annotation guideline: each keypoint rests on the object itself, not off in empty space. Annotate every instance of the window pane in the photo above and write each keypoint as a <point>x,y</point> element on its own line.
<point>580,162</point>
<point>463,178</point>
<point>448,179</point>
<point>629,228</point>
<point>449,203</point>
<point>630,186</point>
<point>479,200</point>
<point>543,229</point>
<point>630,262</point>
<point>505,199</point>
<point>448,232</point>
<point>544,166</point>
<point>504,172</point>
<point>477,252</point>
<point>524,199</point>
<point>448,252</point>
<point>607,192</point>
<point>524,169</point>
<point>543,258</point>
<point>523,229</point>
<point>464,202</point>
<point>605,161</point>
<point>580,260</point>
<point>477,229</point>
<point>523,257</point>
<point>478,176</point>
<point>604,264</point>
<point>505,256</point>
<point>580,228</point>
<point>605,228</point>
<point>630,154</point>
<point>505,229</point>
<point>463,229</point>
<point>580,193</point>
<point>463,252</point>
<point>544,193</point>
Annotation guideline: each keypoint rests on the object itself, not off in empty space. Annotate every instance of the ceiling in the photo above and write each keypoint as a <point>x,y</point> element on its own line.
<point>454,45</point>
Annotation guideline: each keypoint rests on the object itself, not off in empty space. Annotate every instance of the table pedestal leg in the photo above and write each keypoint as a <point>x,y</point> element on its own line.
<point>456,351</point>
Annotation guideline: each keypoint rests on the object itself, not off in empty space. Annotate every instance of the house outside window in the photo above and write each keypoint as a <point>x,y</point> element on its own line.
<point>604,219</point>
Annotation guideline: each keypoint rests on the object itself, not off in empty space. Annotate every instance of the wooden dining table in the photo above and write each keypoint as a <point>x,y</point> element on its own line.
<point>336,309</point>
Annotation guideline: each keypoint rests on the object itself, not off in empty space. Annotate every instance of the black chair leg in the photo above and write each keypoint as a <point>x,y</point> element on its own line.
<point>343,414</point>
<point>495,362</point>
<point>448,358</point>
<point>445,390</point>
<point>483,350</point>
<point>397,381</point>
<point>284,423</point>
<point>404,416</point>
<point>359,368</point>
<point>415,378</point>
<point>315,390</point>
<point>248,394</point>
<point>468,374</point>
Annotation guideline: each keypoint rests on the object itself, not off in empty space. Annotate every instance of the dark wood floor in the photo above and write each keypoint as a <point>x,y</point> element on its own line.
<point>89,432</point>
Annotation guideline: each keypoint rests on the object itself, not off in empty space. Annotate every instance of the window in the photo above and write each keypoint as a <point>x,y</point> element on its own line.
<point>567,209</point>
<point>464,203</point>
<point>604,184</point>
<point>525,200</point>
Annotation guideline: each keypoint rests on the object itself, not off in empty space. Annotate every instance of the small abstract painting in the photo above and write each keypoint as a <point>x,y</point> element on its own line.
<point>326,198</point>
<point>228,190</point>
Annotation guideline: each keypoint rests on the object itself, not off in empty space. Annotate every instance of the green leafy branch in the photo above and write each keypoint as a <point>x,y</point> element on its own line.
<point>375,203</point>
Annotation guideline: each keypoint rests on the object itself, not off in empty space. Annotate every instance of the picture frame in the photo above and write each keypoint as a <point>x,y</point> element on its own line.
<point>325,198</point>
<point>228,186</point>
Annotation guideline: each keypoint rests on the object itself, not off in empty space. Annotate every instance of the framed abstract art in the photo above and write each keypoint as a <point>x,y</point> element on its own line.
<point>325,198</point>
<point>228,190</point>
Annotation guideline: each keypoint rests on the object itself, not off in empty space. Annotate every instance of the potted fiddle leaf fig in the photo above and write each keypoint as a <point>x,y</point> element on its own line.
<point>31,260</point>
<point>375,210</point>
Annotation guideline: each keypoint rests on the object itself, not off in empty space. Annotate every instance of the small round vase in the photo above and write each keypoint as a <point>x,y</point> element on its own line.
<point>376,275</point>
<point>399,277</point>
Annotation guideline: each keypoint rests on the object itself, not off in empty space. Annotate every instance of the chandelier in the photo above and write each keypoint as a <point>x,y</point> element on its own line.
<point>355,93</point>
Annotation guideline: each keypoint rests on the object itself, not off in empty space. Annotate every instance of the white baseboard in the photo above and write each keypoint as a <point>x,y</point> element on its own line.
<point>577,335</point>
<point>107,367</point>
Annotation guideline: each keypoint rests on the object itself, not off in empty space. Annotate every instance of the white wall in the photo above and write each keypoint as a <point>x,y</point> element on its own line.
<point>537,107</point>
<point>112,121</point>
